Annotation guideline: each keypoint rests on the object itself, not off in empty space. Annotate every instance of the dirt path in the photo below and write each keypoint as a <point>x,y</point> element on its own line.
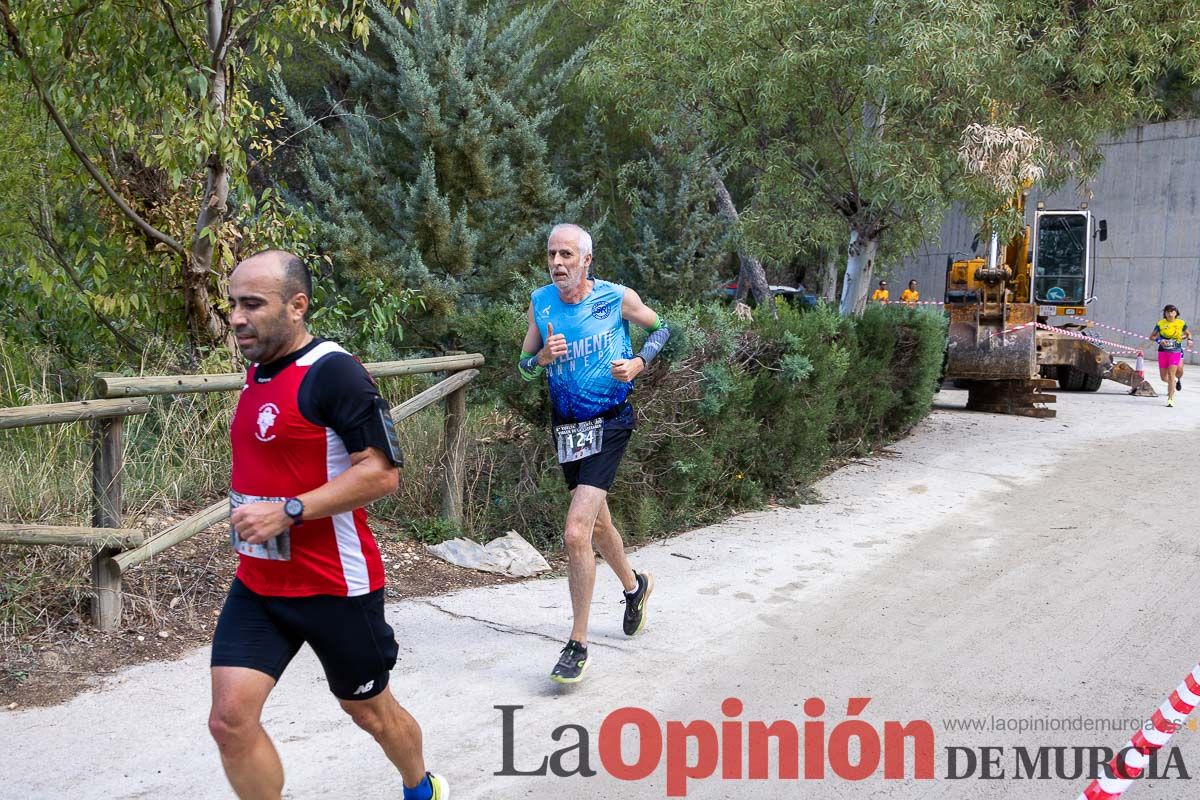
<point>987,567</point>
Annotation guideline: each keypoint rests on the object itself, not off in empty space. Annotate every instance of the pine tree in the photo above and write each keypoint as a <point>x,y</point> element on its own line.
<point>679,245</point>
<point>434,174</point>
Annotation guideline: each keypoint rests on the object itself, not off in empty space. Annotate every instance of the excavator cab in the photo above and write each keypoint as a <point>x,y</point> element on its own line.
<point>1062,262</point>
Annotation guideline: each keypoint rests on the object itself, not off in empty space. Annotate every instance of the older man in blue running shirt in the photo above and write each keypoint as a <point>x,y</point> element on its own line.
<point>578,336</point>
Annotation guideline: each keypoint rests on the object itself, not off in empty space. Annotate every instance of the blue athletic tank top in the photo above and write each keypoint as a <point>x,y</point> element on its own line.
<point>581,383</point>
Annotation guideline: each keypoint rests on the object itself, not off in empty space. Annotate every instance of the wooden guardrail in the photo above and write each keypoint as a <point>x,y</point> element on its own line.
<point>169,537</point>
<point>111,386</point>
<point>56,413</point>
<point>70,535</point>
<point>116,549</point>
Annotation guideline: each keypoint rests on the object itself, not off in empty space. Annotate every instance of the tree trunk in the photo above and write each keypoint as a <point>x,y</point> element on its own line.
<point>204,322</point>
<point>752,277</point>
<point>860,269</point>
<point>829,271</point>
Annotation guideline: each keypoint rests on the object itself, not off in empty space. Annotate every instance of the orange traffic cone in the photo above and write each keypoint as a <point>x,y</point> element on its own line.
<point>1141,387</point>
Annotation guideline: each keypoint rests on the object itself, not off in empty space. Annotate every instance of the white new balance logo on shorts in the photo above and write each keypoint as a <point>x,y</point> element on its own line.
<point>366,687</point>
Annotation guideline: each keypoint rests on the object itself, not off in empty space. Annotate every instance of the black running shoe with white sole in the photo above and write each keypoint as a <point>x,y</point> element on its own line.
<point>572,661</point>
<point>636,602</point>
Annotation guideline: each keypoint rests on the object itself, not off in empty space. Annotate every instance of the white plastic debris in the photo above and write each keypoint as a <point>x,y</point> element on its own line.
<point>507,555</point>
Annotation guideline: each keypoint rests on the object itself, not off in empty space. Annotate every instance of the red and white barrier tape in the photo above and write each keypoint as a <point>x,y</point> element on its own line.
<point>1128,764</point>
<point>1136,335</point>
<point>1120,330</point>
<point>909,302</point>
<point>1090,322</point>
<point>1093,339</point>
<point>1014,329</point>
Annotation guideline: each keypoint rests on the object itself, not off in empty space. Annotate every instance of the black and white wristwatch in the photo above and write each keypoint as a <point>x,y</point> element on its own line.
<point>294,508</point>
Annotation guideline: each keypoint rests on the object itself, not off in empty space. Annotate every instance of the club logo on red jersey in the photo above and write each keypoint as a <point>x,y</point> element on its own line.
<point>267,414</point>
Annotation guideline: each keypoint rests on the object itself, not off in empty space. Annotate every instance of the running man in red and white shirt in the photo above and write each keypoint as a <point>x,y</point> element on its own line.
<point>313,443</point>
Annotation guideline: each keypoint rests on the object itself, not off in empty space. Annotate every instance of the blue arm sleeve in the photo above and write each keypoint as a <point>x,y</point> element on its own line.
<point>659,334</point>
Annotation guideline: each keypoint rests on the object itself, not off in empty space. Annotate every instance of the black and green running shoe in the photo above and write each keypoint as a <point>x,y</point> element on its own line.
<point>572,661</point>
<point>636,602</point>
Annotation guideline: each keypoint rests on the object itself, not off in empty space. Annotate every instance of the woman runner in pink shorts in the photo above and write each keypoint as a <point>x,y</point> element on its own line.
<point>1170,333</point>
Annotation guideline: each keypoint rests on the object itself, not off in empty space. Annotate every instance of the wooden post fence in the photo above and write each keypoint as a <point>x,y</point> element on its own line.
<point>454,431</point>
<point>107,464</point>
<point>115,549</point>
<point>105,537</point>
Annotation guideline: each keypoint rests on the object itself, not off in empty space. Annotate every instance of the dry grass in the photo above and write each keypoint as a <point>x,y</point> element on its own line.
<point>176,457</point>
<point>176,461</point>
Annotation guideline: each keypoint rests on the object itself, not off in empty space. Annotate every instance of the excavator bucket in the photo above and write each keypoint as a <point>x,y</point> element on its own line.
<point>1123,373</point>
<point>996,361</point>
<point>981,351</point>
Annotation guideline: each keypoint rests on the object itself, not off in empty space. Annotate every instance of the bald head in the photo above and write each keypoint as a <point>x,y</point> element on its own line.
<point>269,296</point>
<point>292,274</point>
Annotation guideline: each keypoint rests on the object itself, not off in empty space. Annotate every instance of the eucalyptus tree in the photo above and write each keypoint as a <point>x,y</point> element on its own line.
<point>151,100</point>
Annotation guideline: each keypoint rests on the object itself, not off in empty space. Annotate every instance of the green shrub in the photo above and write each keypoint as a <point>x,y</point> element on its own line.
<point>917,364</point>
<point>732,414</point>
<point>434,530</point>
<point>893,376</point>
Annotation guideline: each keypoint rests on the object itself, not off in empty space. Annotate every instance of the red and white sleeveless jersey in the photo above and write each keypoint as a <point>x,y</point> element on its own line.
<point>278,453</point>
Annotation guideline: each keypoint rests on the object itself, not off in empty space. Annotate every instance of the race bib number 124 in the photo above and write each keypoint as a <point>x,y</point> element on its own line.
<point>579,440</point>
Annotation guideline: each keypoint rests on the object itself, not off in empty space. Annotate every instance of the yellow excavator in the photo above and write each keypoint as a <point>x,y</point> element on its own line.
<point>1004,346</point>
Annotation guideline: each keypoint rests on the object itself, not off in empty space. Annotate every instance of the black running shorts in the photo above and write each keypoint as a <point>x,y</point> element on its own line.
<point>349,635</point>
<point>599,470</point>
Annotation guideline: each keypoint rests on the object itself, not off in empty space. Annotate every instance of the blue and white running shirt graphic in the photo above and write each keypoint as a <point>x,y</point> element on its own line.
<point>581,383</point>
